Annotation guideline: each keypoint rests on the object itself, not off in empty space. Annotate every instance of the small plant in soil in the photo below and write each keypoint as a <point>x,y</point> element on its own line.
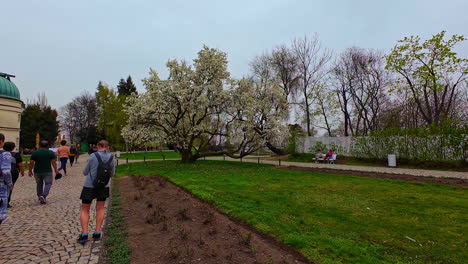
<point>200,241</point>
<point>213,253</point>
<point>164,226</point>
<point>162,219</point>
<point>174,252</point>
<point>268,261</point>
<point>209,218</point>
<point>183,233</point>
<point>233,229</point>
<point>188,251</point>
<point>154,215</point>
<point>253,249</point>
<point>182,214</point>
<point>246,239</point>
<point>212,231</point>
<point>162,182</point>
<point>150,216</point>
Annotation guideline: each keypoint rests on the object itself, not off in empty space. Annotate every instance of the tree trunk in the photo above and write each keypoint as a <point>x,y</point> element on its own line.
<point>187,156</point>
<point>346,124</point>
<point>276,150</point>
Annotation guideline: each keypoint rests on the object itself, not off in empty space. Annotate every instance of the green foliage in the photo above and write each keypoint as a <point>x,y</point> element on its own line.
<point>431,72</point>
<point>332,218</point>
<point>118,251</point>
<point>336,148</point>
<point>295,132</point>
<point>111,117</point>
<point>318,146</point>
<point>444,142</point>
<point>37,118</point>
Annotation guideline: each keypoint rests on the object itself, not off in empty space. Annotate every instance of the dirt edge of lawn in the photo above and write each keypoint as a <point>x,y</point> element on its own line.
<point>153,208</point>
<point>114,248</point>
<point>404,177</point>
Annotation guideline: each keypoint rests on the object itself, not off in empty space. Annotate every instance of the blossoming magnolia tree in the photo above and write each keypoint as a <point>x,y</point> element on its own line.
<point>198,105</point>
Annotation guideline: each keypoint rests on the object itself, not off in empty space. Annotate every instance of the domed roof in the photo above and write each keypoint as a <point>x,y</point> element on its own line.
<point>7,88</point>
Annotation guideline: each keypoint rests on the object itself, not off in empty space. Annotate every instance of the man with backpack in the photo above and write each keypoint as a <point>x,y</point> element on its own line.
<point>99,168</point>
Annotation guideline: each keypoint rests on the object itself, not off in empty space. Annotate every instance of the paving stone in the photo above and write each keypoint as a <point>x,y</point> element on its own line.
<point>35,233</point>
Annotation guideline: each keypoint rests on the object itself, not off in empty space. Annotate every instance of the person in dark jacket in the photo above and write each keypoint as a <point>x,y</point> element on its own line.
<point>42,161</point>
<point>72,155</point>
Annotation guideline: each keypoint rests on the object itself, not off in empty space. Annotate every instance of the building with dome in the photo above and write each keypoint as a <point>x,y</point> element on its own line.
<point>11,108</point>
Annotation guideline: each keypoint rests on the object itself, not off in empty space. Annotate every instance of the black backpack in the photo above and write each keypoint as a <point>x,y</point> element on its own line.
<point>73,150</point>
<point>104,172</point>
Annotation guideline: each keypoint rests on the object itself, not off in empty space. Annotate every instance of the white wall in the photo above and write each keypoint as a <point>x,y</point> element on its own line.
<point>304,144</point>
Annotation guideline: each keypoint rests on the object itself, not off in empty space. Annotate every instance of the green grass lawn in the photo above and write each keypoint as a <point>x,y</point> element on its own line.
<point>332,218</point>
<point>150,155</point>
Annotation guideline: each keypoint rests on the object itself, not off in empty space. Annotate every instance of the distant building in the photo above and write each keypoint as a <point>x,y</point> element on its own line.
<point>11,108</point>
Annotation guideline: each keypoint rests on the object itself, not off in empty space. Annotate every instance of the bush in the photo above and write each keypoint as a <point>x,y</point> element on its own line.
<point>295,131</point>
<point>438,143</point>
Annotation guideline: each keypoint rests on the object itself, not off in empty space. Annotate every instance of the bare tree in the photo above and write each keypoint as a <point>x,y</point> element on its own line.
<point>285,64</point>
<point>343,75</point>
<point>361,85</point>
<point>79,118</point>
<point>312,62</point>
<point>326,107</point>
<point>262,70</point>
<point>369,92</point>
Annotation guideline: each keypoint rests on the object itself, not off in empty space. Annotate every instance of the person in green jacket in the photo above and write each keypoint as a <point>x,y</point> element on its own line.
<point>43,160</point>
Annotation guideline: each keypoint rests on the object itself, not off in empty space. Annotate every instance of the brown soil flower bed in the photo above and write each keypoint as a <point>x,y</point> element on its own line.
<point>167,224</point>
<point>446,181</point>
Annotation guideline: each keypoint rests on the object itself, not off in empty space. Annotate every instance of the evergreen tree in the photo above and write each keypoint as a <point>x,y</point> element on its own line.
<point>131,88</point>
<point>38,117</point>
<point>126,88</point>
<point>122,87</point>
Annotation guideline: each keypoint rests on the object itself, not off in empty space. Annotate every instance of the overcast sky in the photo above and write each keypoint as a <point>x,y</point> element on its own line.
<point>63,48</point>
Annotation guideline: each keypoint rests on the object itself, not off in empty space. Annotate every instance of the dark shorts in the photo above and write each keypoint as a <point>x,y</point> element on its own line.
<point>89,194</point>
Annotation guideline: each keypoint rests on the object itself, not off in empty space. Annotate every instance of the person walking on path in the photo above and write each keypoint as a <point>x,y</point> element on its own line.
<point>72,155</point>
<point>63,152</point>
<point>78,152</point>
<point>41,161</point>
<point>16,166</point>
<point>6,183</point>
<point>99,169</point>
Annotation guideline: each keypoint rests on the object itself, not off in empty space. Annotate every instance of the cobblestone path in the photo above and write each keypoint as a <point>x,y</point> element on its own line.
<point>35,233</point>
